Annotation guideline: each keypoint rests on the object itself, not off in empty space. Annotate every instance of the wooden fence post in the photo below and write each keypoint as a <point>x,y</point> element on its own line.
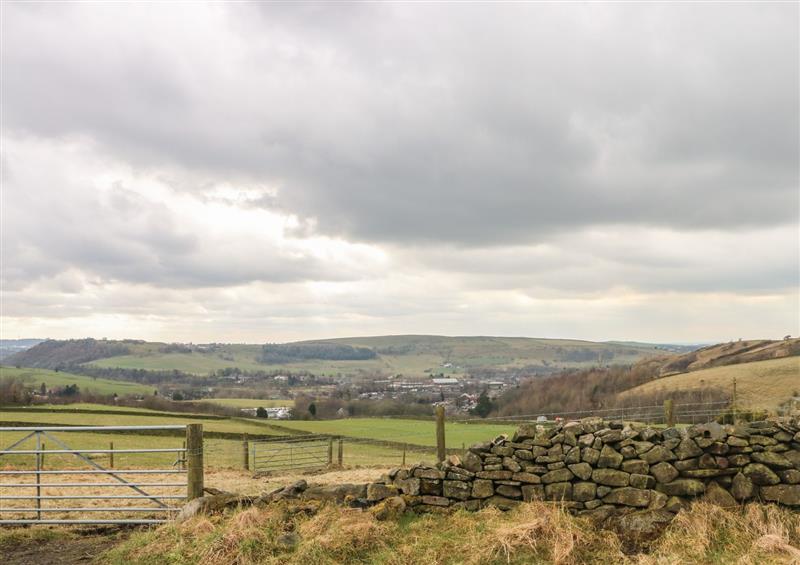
<point>404,454</point>
<point>43,448</point>
<point>111,455</point>
<point>341,452</point>
<point>669,413</point>
<point>440,446</point>
<point>245,453</point>
<point>194,461</point>
<point>330,450</point>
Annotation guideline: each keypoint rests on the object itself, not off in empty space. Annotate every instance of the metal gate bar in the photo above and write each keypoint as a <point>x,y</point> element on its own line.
<point>39,432</point>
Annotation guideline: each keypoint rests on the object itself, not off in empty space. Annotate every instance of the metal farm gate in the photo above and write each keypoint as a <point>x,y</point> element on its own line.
<point>290,454</point>
<point>157,507</point>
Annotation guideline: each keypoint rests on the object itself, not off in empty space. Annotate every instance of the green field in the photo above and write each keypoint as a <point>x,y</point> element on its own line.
<point>409,355</point>
<point>418,432</point>
<point>59,379</point>
<point>249,402</point>
<point>64,416</point>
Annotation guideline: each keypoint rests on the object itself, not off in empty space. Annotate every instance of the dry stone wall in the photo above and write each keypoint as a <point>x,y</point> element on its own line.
<point>598,467</point>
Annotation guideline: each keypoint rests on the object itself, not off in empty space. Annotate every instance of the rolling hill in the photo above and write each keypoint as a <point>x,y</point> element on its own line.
<point>732,353</point>
<point>56,379</point>
<point>759,384</point>
<point>410,355</point>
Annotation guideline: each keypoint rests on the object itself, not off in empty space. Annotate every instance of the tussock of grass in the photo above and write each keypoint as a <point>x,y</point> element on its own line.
<point>533,533</point>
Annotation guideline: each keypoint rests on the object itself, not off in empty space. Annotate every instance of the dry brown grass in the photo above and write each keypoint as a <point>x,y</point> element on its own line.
<point>297,533</point>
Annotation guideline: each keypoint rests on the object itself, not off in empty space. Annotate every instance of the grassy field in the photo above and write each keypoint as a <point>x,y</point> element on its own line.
<point>249,402</point>
<point>410,355</point>
<point>418,432</point>
<point>67,417</point>
<point>55,379</point>
<point>761,384</point>
<point>532,533</point>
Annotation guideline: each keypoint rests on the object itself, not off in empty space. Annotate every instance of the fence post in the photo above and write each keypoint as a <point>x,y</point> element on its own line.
<point>669,413</point>
<point>43,449</point>
<point>734,401</point>
<point>194,461</point>
<point>245,453</point>
<point>341,452</point>
<point>330,450</point>
<point>111,455</point>
<point>404,454</point>
<point>440,447</point>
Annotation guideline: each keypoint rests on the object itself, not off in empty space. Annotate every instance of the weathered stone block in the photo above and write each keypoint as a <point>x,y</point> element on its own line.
<point>642,481</point>
<point>590,455</point>
<point>581,470</point>
<point>742,487</point>
<point>501,475</point>
<point>584,491</point>
<point>664,472</point>
<point>532,492</point>
<point>609,458</point>
<point>436,500</point>
<point>526,478</point>
<point>456,489</point>
<point>558,491</point>
<point>784,494</point>
<point>421,473</point>
<point>611,477</point>
<point>635,466</point>
<point>628,496</point>
<point>408,486</point>
<point>683,487</point>
<point>761,474</point>
<point>557,476</point>
<point>482,488</point>
<point>772,459</point>
<point>471,462</point>
<point>379,491</point>
<point>657,454</point>
<point>508,491</point>
<point>430,486</point>
<point>511,465</point>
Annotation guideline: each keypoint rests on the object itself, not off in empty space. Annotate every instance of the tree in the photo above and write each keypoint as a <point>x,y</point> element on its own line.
<point>177,396</point>
<point>261,412</point>
<point>43,389</point>
<point>312,409</point>
<point>484,405</point>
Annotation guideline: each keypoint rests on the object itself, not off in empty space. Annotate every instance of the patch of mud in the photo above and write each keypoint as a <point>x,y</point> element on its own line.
<point>84,548</point>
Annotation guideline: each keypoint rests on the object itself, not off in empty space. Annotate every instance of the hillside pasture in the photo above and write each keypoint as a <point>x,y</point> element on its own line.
<point>55,379</point>
<point>409,355</point>
<point>417,432</point>
<point>759,385</point>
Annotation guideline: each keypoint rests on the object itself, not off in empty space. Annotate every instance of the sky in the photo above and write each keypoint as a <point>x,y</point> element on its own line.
<point>257,172</point>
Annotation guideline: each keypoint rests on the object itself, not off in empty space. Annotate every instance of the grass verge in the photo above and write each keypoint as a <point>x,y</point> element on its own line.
<point>533,533</point>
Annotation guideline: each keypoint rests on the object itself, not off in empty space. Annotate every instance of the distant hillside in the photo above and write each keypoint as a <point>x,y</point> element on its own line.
<point>410,355</point>
<point>53,380</point>
<point>53,354</point>
<point>759,384</point>
<point>9,347</point>
<point>732,353</point>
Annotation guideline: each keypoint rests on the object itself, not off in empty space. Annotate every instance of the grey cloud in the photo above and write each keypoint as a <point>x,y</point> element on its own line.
<point>470,125</point>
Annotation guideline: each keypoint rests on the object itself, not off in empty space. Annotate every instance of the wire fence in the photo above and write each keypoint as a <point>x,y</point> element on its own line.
<point>685,413</point>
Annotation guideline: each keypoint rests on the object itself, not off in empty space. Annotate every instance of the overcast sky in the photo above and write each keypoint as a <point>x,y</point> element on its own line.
<point>279,171</point>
